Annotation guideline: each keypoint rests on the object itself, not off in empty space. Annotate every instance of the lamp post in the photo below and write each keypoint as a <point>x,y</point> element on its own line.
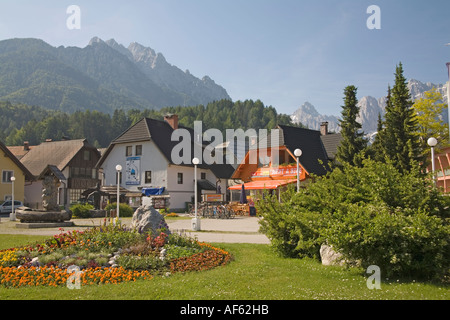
<point>12,215</point>
<point>196,220</point>
<point>448,89</point>
<point>432,142</point>
<point>298,153</point>
<point>118,169</point>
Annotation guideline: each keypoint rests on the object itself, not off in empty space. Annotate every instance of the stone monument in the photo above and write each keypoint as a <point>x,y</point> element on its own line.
<point>51,215</point>
<point>50,186</point>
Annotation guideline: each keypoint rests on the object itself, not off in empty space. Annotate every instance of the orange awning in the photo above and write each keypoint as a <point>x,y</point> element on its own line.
<point>262,184</point>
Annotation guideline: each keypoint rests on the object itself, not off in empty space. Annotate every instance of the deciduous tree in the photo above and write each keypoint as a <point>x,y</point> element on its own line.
<point>429,110</point>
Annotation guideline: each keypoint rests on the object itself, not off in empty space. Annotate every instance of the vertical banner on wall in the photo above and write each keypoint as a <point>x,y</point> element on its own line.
<point>133,171</point>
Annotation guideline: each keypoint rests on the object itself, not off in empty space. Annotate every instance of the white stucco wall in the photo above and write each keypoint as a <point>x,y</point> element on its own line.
<point>182,193</point>
<point>164,174</point>
<point>150,160</point>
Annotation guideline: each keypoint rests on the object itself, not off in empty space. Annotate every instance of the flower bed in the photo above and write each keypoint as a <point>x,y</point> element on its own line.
<point>200,261</point>
<point>107,254</point>
<point>55,276</point>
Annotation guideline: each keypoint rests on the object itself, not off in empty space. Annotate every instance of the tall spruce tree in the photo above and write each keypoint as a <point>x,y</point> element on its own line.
<point>378,147</point>
<point>376,150</point>
<point>353,142</point>
<point>401,142</point>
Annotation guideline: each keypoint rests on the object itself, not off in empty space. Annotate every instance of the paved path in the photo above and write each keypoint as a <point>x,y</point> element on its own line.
<point>237,230</point>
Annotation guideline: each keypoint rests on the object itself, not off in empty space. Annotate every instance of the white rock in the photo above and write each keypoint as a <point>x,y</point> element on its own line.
<point>329,256</point>
<point>146,218</point>
<point>35,262</point>
<point>162,254</point>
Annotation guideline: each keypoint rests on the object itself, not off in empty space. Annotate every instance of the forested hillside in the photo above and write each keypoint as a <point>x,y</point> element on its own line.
<point>102,76</point>
<point>98,91</point>
<point>19,123</point>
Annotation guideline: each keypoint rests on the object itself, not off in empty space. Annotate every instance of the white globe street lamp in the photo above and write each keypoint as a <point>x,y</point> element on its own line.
<point>118,169</point>
<point>432,142</point>
<point>12,215</point>
<point>196,220</point>
<point>298,153</point>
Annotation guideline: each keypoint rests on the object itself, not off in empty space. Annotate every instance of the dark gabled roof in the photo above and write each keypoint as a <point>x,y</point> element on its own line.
<point>50,169</point>
<point>137,132</point>
<point>205,184</point>
<point>331,142</point>
<point>314,157</point>
<point>28,175</point>
<point>224,171</point>
<point>160,132</point>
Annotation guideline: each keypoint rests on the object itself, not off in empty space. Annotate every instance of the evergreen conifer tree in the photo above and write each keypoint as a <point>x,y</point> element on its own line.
<point>401,143</point>
<point>353,142</point>
<point>376,150</point>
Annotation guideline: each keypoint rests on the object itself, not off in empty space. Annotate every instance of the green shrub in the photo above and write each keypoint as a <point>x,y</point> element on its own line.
<point>414,245</point>
<point>124,209</point>
<point>293,231</point>
<point>175,252</point>
<point>110,238</point>
<point>81,210</point>
<point>371,214</point>
<point>175,239</point>
<point>148,262</point>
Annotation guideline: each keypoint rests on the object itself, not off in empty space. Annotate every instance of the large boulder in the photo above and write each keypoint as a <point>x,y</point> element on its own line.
<point>146,218</point>
<point>329,256</point>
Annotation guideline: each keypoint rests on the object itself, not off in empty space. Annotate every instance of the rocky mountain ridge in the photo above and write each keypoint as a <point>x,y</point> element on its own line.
<point>156,67</point>
<point>102,76</point>
<point>369,106</point>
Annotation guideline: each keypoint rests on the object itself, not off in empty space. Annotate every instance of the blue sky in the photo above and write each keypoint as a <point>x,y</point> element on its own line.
<point>283,52</point>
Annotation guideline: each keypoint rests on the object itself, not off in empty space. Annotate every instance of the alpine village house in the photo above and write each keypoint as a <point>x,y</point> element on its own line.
<point>144,152</point>
<point>71,161</point>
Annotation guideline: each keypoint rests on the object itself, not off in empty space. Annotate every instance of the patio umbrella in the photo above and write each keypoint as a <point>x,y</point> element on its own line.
<point>243,196</point>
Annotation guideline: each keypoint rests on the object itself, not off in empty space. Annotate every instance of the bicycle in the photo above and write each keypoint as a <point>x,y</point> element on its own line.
<point>206,210</point>
<point>201,210</point>
<point>229,211</point>
<point>220,209</point>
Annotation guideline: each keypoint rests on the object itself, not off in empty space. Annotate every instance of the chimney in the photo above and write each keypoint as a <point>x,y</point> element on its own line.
<point>324,128</point>
<point>26,146</point>
<point>172,119</point>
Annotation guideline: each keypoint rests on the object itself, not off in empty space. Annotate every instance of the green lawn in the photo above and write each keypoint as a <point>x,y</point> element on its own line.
<point>256,273</point>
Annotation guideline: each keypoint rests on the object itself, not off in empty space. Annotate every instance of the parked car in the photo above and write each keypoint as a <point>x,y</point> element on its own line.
<point>6,207</point>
